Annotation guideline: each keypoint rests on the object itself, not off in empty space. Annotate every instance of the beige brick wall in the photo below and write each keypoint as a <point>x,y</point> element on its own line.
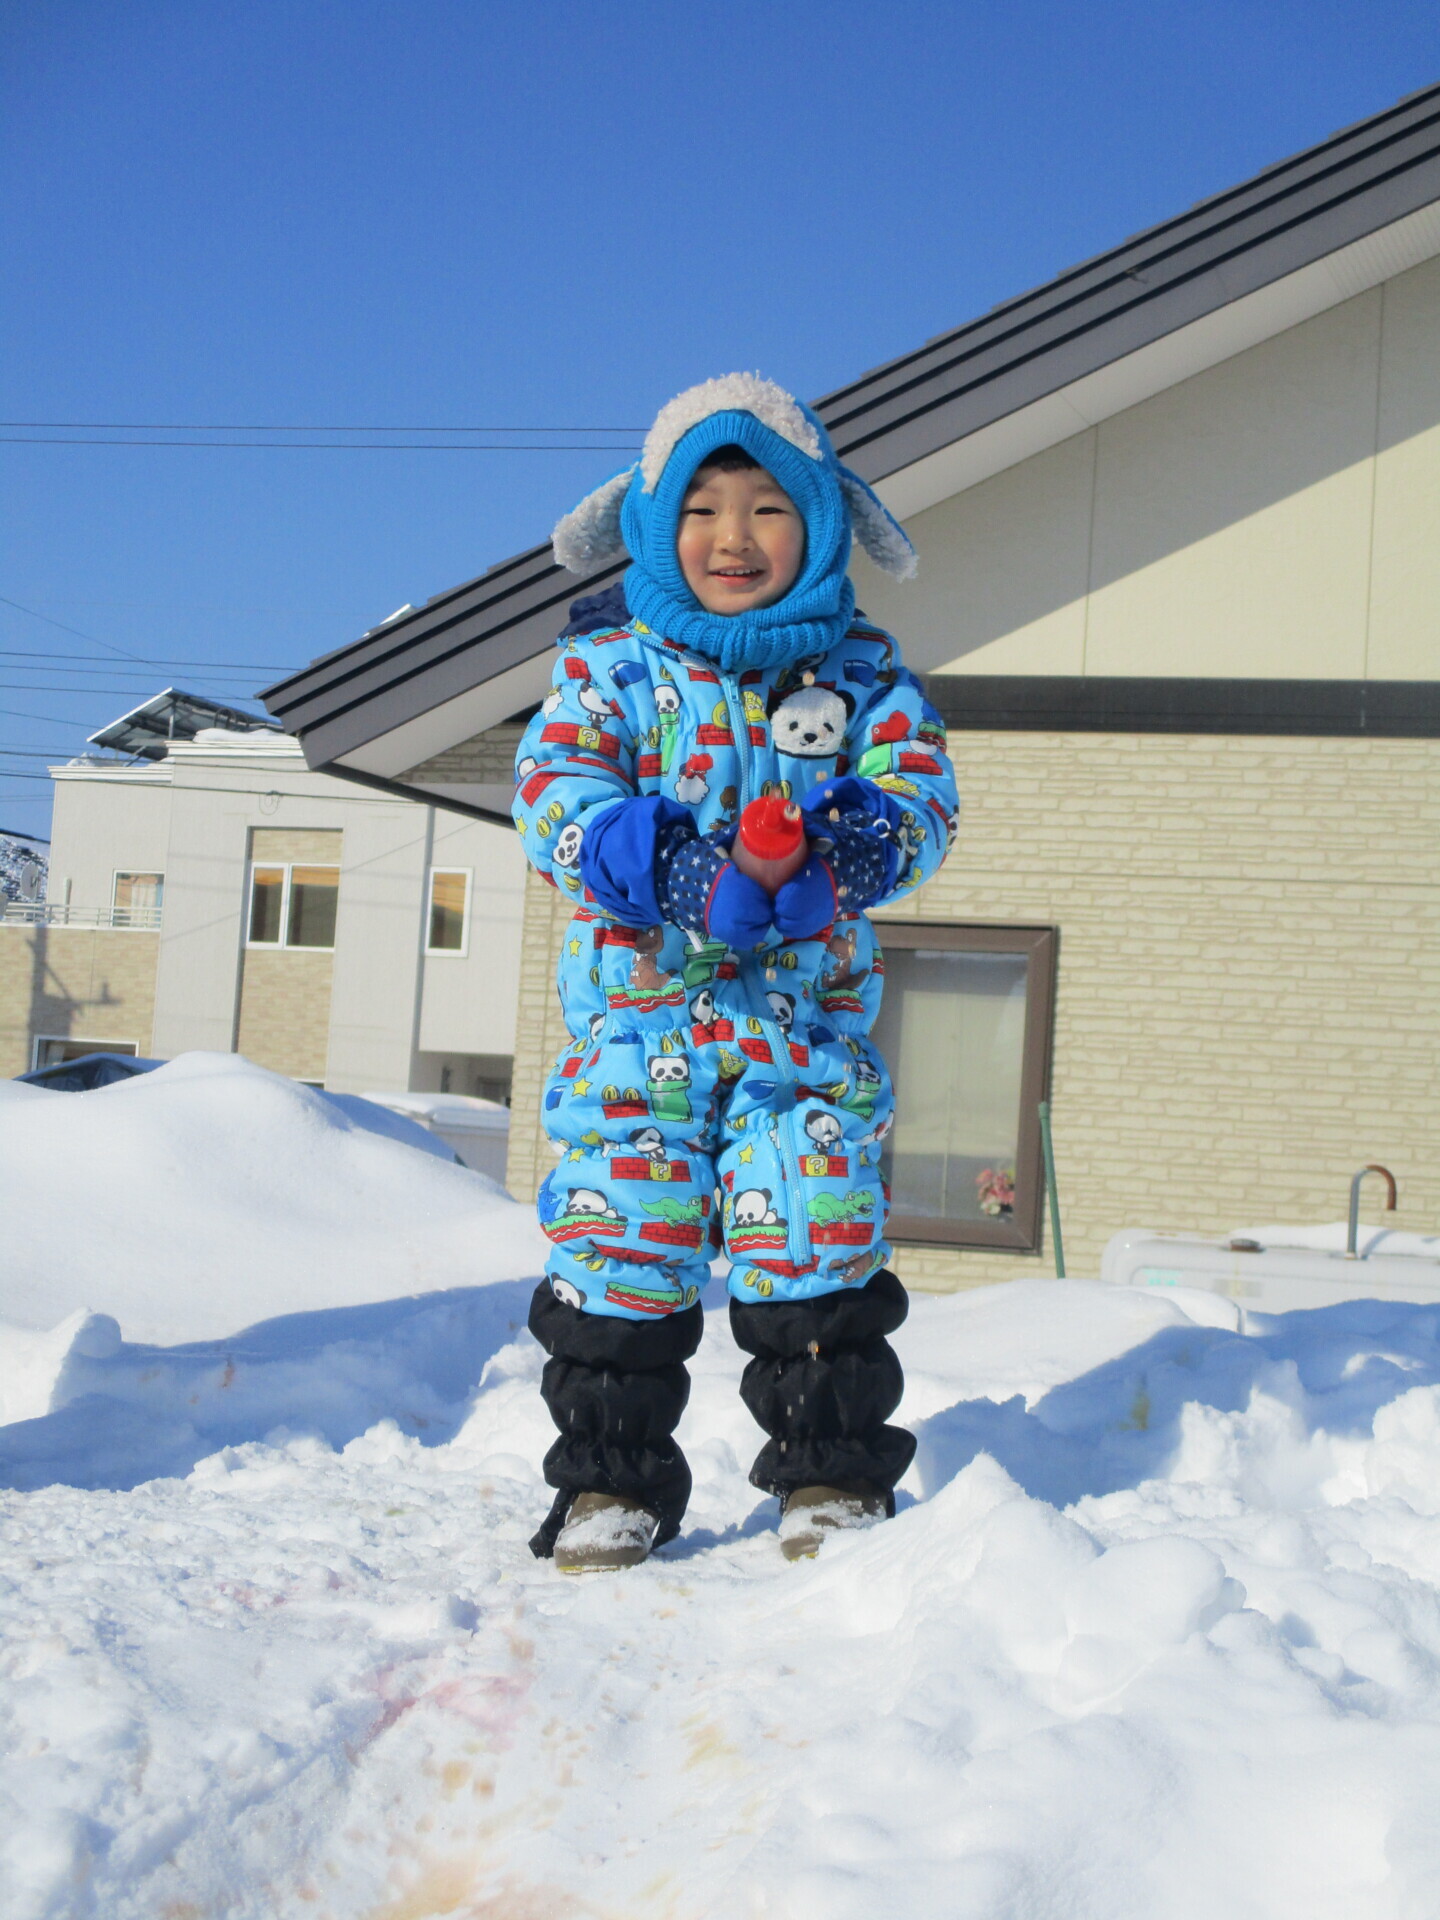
<point>308,846</point>
<point>1248,990</point>
<point>539,1033</point>
<point>285,1009</point>
<point>486,757</point>
<point>74,983</point>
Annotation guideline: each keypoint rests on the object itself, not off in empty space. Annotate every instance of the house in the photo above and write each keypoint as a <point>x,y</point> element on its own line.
<point>212,892</point>
<point>1179,604</point>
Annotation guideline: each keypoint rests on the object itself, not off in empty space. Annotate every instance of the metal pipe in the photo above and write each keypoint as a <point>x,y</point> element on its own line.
<point>1391,1196</point>
<point>1047,1147</point>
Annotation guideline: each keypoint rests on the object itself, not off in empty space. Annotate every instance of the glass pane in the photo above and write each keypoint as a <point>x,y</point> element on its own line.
<point>138,895</point>
<point>447,912</point>
<point>313,894</point>
<point>266,890</point>
<point>952,1027</point>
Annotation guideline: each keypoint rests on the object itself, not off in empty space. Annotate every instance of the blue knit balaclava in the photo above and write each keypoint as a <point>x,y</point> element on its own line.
<point>639,512</point>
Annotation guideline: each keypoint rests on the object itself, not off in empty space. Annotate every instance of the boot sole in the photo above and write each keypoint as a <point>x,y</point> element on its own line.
<point>601,1563</point>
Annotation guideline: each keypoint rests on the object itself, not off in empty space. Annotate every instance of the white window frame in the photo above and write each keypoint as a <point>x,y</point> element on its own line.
<point>449,953</point>
<point>134,926</point>
<point>130,1048</point>
<point>283,944</point>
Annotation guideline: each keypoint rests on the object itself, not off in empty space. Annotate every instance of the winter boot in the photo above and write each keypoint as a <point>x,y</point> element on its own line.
<point>603,1533</point>
<point>809,1513</point>
<point>616,1389</point>
<point>822,1384</point>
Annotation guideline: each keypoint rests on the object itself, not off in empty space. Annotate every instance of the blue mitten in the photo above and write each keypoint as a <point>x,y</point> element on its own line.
<point>624,851</point>
<point>704,891</point>
<point>809,900</point>
<point>854,825</point>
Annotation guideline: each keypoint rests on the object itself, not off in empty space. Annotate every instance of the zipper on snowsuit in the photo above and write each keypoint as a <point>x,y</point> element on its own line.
<point>797,1230</point>
<point>797,1244</point>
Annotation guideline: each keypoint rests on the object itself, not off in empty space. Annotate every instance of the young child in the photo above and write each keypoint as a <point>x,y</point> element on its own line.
<point>720,1088</point>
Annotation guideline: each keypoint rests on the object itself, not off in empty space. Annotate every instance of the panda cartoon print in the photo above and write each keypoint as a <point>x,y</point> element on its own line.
<point>566,859</point>
<point>667,1082</point>
<point>810,722</point>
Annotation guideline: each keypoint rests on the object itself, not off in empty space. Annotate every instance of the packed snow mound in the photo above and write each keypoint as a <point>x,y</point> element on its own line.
<point>24,867</point>
<point>1155,1632</point>
<point>193,1201</point>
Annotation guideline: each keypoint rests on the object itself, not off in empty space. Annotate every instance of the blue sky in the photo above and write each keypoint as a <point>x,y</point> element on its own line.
<point>442,213</point>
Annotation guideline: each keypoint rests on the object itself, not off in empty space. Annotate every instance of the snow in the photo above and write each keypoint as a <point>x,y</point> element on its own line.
<point>197,1199</point>
<point>1156,1630</point>
<point>24,865</point>
<point>1333,1237</point>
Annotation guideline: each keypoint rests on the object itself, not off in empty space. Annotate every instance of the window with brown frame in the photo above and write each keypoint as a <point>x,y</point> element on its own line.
<point>965,1030</point>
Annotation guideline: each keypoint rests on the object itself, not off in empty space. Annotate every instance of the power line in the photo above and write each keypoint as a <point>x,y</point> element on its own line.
<point>148,678</point>
<point>102,693</point>
<point>202,666</point>
<point>151,668</point>
<point>64,629</point>
<point>231,426</point>
<point>49,719</point>
<point>328,446</point>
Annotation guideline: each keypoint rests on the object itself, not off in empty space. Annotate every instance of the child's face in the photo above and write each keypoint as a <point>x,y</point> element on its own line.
<point>741,541</point>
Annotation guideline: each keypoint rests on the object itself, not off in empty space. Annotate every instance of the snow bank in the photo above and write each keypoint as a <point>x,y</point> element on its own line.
<point>195,1200</point>
<point>1156,1631</point>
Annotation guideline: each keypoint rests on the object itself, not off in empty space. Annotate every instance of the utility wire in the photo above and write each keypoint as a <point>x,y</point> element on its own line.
<point>202,666</point>
<point>330,446</point>
<point>233,675</point>
<point>231,426</point>
<point>64,629</point>
<point>137,696</point>
<point>50,719</point>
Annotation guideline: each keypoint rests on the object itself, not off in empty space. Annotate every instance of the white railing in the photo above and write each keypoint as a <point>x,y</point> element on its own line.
<point>49,913</point>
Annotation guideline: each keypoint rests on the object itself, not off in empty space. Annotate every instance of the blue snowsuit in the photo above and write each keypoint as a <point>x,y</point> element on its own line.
<point>712,1097</point>
<point>693,1066</point>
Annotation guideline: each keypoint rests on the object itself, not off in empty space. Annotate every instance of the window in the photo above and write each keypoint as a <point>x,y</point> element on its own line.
<point>293,906</point>
<point>136,899</point>
<point>965,1028</point>
<point>52,1053</point>
<point>449,910</point>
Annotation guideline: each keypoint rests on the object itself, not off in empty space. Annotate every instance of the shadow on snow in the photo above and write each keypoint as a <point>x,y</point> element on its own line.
<point>1119,1424</point>
<point>146,1413</point>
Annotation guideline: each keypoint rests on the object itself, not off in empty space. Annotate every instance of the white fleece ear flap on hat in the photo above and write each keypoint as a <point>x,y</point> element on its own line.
<point>589,537</point>
<point>880,535</point>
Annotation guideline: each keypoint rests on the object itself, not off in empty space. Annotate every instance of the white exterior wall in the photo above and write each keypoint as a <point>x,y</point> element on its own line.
<point>388,1000</point>
<point>1273,517</point>
<point>217,799</point>
<point>469,1000</point>
<point>99,828</point>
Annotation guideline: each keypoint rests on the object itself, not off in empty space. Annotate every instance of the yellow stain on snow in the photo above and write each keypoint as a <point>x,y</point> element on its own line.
<point>708,1746</point>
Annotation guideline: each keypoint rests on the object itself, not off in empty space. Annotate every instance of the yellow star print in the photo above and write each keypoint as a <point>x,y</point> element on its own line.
<point>574,946</point>
<point>582,1086</point>
<point>747,1154</point>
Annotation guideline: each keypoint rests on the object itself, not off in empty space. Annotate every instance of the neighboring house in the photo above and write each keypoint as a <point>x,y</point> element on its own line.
<point>218,894</point>
<point>1179,602</point>
<point>23,861</point>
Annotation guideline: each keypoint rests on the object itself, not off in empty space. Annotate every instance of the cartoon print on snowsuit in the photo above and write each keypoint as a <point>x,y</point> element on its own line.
<point>725,1054</point>
<point>697,1072</point>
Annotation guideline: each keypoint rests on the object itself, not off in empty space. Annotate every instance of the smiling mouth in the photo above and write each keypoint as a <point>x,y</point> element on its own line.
<point>738,574</point>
